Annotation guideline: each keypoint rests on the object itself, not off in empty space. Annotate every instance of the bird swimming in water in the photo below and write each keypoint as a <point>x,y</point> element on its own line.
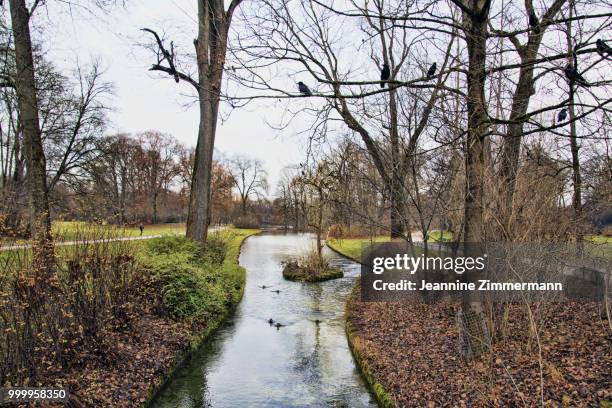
<point>573,75</point>
<point>278,326</point>
<point>385,74</point>
<point>304,90</point>
<point>432,70</point>
<point>277,291</point>
<point>603,49</point>
<point>270,321</point>
<point>562,115</point>
<point>534,23</point>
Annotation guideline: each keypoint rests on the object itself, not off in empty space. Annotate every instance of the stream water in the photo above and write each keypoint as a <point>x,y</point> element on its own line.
<point>249,363</point>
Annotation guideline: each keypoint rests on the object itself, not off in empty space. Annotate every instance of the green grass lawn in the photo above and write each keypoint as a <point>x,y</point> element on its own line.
<point>75,230</point>
<point>599,239</point>
<point>435,236</point>
<point>105,245</point>
<point>234,237</point>
<point>601,245</point>
<point>351,247</point>
<point>83,231</point>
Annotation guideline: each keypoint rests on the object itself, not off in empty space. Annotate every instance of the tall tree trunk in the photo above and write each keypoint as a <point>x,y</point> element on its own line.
<point>520,102</point>
<point>476,33</point>
<point>320,225</point>
<point>576,176</point>
<point>477,130</point>
<point>154,199</point>
<point>211,48</point>
<point>244,205</point>
<point>512,143</point>
<point>40,220</point>
<point>122,196</point>
<point>395,189</point>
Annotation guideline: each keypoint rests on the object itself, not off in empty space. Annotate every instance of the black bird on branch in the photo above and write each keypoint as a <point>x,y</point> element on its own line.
<point>562,115</point>
<point>603,49</point>
<point>385,74</point>
<point>534,23</point>
<point>432,71</point>
<point>574,76</point>
<point>304,90</point>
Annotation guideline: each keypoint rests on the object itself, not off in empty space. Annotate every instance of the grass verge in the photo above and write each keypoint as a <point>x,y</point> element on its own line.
<point>352,247</point>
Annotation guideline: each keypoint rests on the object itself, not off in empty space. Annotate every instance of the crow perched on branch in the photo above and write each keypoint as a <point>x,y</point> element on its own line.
<point>385,74</point>
<point>574,76</point>
<point>562,115</point>
<point>534,23</point>
<point>304,90</point>
<point>432,71</point>
<point>603,49</point>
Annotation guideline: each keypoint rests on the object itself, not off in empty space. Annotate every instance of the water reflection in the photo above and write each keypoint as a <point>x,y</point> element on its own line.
<point>250,363</point>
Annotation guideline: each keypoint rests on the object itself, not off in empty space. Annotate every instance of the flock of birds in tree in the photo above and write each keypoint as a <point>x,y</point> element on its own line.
<point>571,72</point>
<point>575,77</point>
<point>385,75</point>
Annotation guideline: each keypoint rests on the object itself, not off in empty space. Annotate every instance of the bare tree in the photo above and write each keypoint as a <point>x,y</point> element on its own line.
<point>211,46</point>
<point>72,123</point>
<point>249,178</point>
<point>159,154</point>
<point>25,86</point>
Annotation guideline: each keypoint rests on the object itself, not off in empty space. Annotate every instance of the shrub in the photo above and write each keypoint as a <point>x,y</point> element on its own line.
<point>310,268</point>
<point>188,291</point>
<point>52,315</point>
<point>334,231</point>
<point>212,253</point>
<point>192,283</point>
<point>247,222</point>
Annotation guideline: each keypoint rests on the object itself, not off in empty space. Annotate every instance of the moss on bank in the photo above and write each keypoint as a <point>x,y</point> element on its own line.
<point>351,248</point>
<point>358,349</point>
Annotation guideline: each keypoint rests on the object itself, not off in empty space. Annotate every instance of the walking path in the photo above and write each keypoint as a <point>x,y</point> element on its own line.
<point>97,241</point>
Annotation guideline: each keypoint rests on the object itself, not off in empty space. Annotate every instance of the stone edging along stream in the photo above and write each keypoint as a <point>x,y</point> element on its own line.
<point>383,399</point>
<point>181,358</point>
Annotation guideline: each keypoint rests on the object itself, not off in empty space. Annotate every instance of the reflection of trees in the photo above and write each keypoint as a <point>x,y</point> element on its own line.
<point>189,387</point>
<point>309,361</point>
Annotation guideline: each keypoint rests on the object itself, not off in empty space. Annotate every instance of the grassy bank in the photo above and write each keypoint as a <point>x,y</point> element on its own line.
<point>113,319</point>
<point>435,236</point>
<point>352,247</point>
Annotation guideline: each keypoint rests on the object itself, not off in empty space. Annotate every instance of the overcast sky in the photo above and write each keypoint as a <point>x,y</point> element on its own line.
<point>144,100</point>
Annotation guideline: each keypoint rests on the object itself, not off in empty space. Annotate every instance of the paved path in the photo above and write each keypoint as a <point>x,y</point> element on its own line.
<point>98,241</point>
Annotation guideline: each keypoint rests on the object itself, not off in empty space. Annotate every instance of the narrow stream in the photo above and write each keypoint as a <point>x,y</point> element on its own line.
<point>249,363</point>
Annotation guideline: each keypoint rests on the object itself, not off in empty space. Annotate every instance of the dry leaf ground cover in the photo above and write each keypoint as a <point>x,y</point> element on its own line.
<point>412,351</point>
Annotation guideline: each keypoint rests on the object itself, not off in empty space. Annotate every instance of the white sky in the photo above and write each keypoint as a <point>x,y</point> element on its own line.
<point>144,100</point>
